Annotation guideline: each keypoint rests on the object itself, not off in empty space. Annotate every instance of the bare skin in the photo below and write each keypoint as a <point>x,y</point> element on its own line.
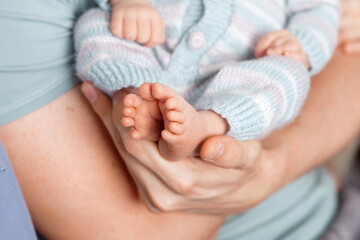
<point>76,187</point>
<point>282,157</point>
<point>141,108</point>
<point>137,20</point>
<point>75,184</point>
<point>349,34</point>
<point>283,43</point>
<point>185,129</point>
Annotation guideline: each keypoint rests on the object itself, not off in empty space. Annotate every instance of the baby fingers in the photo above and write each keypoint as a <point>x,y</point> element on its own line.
<point>284,45</point>
<point>143,30</point>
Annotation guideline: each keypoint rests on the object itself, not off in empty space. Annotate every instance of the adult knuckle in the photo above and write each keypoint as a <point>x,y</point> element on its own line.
<point>163,203</point>
<point>229,164</point>
<point>184,186</point>
<point>132,147</point>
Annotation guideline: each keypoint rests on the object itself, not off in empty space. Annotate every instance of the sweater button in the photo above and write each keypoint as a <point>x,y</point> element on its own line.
<point>196,40</point>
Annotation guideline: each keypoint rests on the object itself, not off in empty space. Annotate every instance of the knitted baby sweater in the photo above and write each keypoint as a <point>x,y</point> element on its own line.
<point>208,57</point>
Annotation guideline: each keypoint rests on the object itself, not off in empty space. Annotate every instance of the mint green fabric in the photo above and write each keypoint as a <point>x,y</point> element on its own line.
<point>36,66</point>
<point>36,53</point>
<point>300,211</point>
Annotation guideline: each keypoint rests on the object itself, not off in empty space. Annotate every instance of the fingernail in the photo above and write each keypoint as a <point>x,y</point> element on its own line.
<point>215,152</point>
<point>90,93</point>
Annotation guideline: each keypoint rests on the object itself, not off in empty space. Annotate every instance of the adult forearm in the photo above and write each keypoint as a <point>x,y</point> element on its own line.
<point>329,120</point>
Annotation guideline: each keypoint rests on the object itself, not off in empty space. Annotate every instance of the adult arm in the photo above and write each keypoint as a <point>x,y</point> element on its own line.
<point>328,121</point>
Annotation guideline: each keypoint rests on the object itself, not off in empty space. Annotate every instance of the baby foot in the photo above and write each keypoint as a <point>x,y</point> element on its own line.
<point>184,127</point>
<point>142,114</point>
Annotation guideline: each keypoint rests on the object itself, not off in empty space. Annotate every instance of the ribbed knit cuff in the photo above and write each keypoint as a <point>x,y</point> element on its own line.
<point>245,118</point>
<point>258,96</point>
<point>111,63</point>
<point>315,50</point>
<point>112,74</point>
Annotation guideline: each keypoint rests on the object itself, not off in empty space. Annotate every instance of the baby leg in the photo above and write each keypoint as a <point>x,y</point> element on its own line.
<point>75,184</point>
<point>184,127</point>
<point>256,97</point>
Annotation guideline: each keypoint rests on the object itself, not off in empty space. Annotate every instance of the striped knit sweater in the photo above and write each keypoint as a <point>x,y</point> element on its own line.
<point>208,57</point>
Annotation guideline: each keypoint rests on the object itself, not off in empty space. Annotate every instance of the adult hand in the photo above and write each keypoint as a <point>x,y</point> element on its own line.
<point>349,35</point>
<point>233,176</point>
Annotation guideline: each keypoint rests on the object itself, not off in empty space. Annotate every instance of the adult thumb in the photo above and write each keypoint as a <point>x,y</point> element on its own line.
<point>226,152</point>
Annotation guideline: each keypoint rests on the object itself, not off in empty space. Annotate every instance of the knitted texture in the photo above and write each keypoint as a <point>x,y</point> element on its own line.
<point>207,57</point>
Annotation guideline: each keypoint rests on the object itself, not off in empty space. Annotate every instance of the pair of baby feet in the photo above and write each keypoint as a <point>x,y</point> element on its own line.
<point>157,113</point>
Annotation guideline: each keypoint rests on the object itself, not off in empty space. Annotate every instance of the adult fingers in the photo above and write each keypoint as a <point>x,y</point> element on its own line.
<point>99,102</point>
<point>349,35</point>
<point>352,48</point>
<point>347,21</point>
<point>348,6</point>
<point>227,152</point>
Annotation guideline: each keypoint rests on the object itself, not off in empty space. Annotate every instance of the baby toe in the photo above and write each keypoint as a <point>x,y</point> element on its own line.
<point>145,91</point>
<point>127,122</point>
<point>175,104</point>
<point>132,100</point>
<point>170,137</point>
<point>135,134</point>
<point>129,111</point>
<point>176,128</point>
<point>175,116</point>
<point>162,92</point>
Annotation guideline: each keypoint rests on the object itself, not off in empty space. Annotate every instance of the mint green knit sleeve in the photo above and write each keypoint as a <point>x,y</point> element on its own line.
<point>111,63</point>
<point>256,96</point>
<point>315,24</point>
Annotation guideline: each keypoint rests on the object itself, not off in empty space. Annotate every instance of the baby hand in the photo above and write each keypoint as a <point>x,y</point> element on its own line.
<point>282,43</point>
<point>137,21</point>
